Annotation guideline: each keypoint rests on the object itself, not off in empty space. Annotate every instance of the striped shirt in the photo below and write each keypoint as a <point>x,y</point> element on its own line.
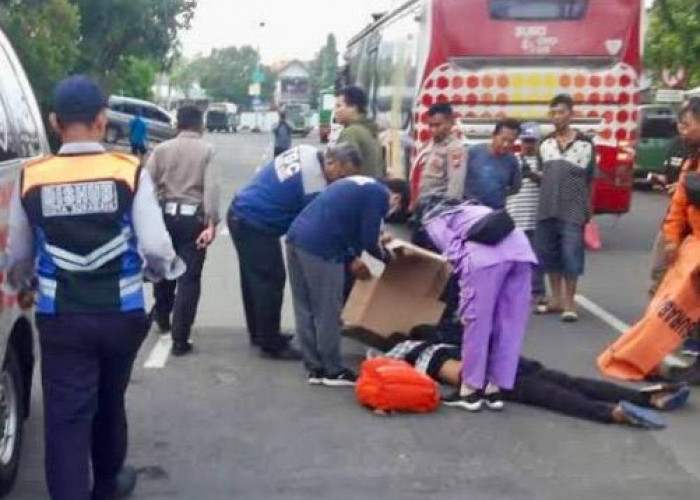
<point>522,206</point>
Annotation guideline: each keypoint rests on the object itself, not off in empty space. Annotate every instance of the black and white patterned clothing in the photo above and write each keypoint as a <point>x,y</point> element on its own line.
<point>425,357</point>
<point>522,206</point>
<point>567,175</point>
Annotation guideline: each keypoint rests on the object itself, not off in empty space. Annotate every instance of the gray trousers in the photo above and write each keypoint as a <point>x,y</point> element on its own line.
<point>317,292</point>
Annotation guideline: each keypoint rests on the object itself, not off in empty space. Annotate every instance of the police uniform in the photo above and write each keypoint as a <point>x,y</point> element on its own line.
<point>188,190</point>
<point>79,225</point>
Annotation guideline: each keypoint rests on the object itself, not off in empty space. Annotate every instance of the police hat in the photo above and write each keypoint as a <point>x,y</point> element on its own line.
<point>78,99</point>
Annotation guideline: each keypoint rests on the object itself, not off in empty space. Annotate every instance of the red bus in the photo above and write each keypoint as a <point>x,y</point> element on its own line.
<point>497,58</point>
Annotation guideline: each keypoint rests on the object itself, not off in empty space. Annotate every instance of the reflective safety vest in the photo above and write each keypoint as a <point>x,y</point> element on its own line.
<point>80,211</point>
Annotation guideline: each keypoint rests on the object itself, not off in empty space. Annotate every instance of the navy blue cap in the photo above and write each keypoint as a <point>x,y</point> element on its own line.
<point>530,131</point>
<point>78,98</point>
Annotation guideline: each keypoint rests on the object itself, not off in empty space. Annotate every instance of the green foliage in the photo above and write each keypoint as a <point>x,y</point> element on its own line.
<point>225,74</point>
<point>323,68</point>
<point>122,43</point>
<point>228,72</point>
<point>672,40</point>
<point>134,77</point>
<point>45,35</point>
<point>114,29</point>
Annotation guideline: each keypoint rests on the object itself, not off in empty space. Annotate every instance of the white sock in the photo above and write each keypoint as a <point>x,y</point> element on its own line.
<point>491,389</point>
<point>466,390</point>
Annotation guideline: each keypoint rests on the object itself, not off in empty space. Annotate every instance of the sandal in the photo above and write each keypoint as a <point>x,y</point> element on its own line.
<point>569,317</point>
<point>641,417</point>
<point>674,400</point>
<point>546,308</point>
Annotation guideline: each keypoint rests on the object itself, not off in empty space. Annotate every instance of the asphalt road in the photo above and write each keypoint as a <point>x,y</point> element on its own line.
<point>225,424</point>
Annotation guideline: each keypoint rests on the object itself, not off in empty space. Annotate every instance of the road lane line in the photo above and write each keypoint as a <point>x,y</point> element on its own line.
<point>160,352</point>
<point>622,327</point>
<point>602,314</point>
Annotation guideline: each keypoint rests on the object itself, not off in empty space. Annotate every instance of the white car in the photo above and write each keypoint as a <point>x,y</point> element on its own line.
<point>22,137</point>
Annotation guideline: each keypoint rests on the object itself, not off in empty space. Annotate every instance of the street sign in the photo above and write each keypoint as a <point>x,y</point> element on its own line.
<point>254,89</point>
<point>669,96</point>
<point>258,76</point>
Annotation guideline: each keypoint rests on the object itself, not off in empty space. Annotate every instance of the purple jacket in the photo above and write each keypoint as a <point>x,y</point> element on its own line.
<point>447,232</point>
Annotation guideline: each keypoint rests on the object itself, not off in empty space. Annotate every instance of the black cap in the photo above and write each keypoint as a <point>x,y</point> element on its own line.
<point>78,99</point>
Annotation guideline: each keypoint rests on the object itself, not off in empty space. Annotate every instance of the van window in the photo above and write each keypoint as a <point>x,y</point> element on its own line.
<point>156,114</point>
<point>22,130</point>
<point>658,128</point>
<point>6,149</point>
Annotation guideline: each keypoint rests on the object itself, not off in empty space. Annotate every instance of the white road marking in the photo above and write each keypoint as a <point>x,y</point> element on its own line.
<point>602,314</point>
<point>160,353</point>
<point>672,360</point>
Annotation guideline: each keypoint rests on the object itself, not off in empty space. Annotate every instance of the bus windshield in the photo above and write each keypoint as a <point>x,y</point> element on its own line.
<point>539,10</point>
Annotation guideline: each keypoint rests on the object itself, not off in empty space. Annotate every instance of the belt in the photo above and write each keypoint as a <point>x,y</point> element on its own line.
<point>174,208</point>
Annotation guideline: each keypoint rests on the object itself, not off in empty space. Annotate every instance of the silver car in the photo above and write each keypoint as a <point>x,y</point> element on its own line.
<point>22,137</point>
<point>160,124</point>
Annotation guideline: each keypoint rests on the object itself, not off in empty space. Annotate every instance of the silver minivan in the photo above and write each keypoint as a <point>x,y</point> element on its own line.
<point>159,123</point>
<point>22,137</point>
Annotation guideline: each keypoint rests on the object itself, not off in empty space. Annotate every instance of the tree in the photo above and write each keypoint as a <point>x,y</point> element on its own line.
<point>225,74</point>
<point>324,68</point>
<point>672,40</point>
<point>228,73</point>
<point>115,29</point>
<point>44,34</point>
<point>134,77</point>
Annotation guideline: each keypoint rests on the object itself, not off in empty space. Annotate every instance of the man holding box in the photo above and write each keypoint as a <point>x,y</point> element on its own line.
<point>341,223</point>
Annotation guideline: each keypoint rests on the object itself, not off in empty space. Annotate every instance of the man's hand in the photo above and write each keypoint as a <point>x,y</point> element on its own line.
<point>671,188</point>
<point>26,299</point>
<point>360,270</point>
<point>206,237</point>
<point>671,252</point>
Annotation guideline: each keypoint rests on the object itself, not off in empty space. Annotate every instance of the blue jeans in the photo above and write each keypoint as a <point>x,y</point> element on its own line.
<point>560,247</point>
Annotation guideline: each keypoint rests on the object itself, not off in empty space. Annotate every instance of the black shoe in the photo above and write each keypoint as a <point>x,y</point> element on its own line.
<point>163,324</point>
<point>345,378</point>
<point>124,486</point>
<point>494,401</point>
<point>287,353</point>
<point>473,402</point>
<point>315,377</point>
<point>182,348</point>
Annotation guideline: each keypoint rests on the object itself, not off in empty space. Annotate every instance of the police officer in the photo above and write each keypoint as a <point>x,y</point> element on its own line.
<point>82,225</point>
<point>260,215</point>
<point>188,190</point>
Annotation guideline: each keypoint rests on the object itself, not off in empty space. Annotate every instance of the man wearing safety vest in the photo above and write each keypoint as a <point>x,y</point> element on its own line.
<point>85,226</point>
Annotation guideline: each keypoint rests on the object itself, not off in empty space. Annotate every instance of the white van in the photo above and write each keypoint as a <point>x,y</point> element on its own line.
<point>22,137</point>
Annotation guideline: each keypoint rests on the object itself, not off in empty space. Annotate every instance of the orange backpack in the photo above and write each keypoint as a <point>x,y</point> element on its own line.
<point>393,385</point>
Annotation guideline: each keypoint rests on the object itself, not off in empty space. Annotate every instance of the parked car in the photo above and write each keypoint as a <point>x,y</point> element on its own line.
<point>657,130</point>
<point>160,124</point>
<point>22,137</point>
<point>222,117</point>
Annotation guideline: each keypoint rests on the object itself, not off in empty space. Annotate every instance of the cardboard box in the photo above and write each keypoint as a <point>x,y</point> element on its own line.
<point>404,296</point>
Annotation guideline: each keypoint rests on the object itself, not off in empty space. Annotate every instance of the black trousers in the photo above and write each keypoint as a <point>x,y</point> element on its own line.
<point>86,362</point>
<point>263,276</point>
<point>575,396</point>
<point>181,297</point>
